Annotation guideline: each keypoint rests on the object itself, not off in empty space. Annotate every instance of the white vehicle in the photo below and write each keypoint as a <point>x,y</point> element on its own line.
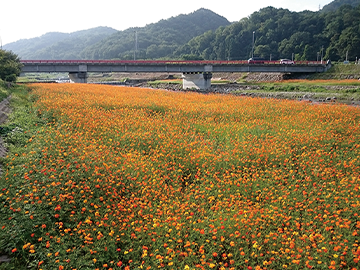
<point>287,62</point>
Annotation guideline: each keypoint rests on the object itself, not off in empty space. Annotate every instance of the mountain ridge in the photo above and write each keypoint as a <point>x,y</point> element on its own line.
<point>35,47</point>
<point>334,5</point>
<point>156,40</point>
<point>164,36</point>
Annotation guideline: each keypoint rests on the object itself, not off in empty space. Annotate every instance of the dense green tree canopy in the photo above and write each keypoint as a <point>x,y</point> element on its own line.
<point>10,66</point>
<point>156,40</point>
<point>334,5</point>
<point>280,33</point>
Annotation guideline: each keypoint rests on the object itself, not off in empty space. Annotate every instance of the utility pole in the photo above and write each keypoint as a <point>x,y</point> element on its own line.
<point>136,45</point>
<point>322,53</point>
<point>252,51</point>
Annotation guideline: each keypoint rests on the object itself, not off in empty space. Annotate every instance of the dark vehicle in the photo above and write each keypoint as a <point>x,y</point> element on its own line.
<point>256,60</point>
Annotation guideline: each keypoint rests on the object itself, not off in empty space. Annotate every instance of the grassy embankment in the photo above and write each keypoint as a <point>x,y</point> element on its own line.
<point>339,71</point>
<point>340,82</point>
<point>346,91</point>
<point>20,127</point>
<point>4,91</point>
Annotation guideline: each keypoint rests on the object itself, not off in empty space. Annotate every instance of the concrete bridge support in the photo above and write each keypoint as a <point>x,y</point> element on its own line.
<point>197,80</point>
<point>78,77</point>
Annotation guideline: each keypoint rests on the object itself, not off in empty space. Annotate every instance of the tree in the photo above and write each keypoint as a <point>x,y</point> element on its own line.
<point>349,41</point>
<point>10,66</point>
<point>263,51</point>
<point>308,53</point>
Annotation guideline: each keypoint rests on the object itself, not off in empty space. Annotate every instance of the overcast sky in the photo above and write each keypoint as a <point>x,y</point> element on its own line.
<point>23,19</point>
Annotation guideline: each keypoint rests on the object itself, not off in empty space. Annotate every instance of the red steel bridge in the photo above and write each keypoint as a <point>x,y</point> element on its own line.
<point>193,71</point>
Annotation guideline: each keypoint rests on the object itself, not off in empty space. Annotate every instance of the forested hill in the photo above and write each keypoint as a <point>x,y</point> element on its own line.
<point>280,33</point>
<point>57,45</point>
<point>334,5</point>
<point>154,40</point>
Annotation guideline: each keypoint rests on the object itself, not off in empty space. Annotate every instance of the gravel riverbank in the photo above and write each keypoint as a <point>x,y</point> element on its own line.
<point>255,91</point>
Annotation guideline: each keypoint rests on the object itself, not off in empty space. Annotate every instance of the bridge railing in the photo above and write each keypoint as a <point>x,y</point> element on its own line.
<point>167,62</point>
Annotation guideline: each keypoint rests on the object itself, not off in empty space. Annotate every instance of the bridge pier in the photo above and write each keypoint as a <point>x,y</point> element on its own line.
<point>78,77</point>
<point>197,80</point>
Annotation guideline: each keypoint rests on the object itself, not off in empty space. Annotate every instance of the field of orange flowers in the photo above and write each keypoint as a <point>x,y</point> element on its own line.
<point>131,178</point>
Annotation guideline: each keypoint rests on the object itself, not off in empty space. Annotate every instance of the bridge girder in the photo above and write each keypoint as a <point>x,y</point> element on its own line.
<point>78,69</point>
